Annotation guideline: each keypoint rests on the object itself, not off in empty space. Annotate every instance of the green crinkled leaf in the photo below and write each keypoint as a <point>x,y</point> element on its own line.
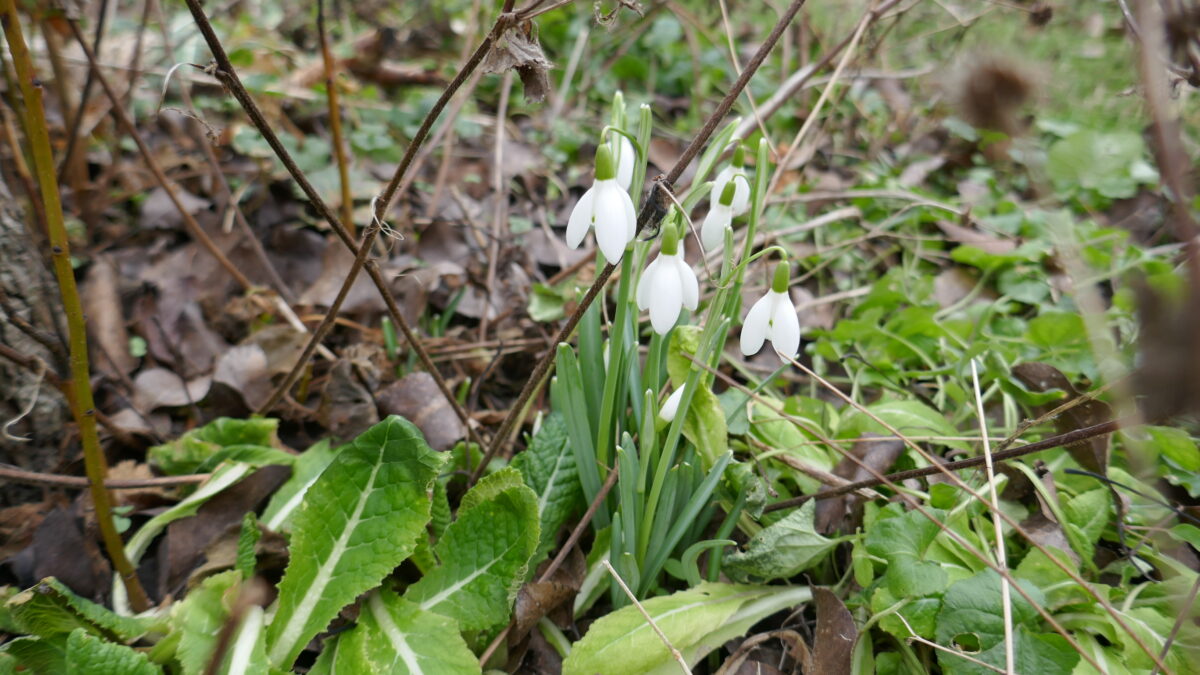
<point>254,455</point>
<point>199,618</point>
<point>704,424</point>
<point>1177,445</point>
<point>483,554</point>
<point>1087,515</point>
<point>1109,163</point>
<point>39,655</point>
<point>903,542</point>
<point>50,608</point>
<point>357,522</point>
<point>972,613</point>
<point>685,340</point>
<point>305,470</point>
<point>396,636</point>
<point>90,655</point>
<point>785,435</point>
<point>784,549</point>
<point>920,614</point>
<point>695,621</point>
<point>187,453</point>
<point>548,467</point>
<point>248,538</point>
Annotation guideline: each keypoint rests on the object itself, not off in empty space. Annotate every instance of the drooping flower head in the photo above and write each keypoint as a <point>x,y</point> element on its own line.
<point>607,208</point>
<point>735,173</point>
<point>668,284</point>
<point>773,318</point>
<point>719,217</point>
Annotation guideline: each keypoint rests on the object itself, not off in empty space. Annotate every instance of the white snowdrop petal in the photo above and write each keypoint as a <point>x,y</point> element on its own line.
<point>712,232</point>
<point>670,407</point>
<point>755,328</point>
<point>785,326</point>
<point>625,157</point>
<point>689,285</point>
<point>666,299</point>
<point>610,220</point>
<point>630,217</point>
<point>581,218</point>
<point>741,193</point>
<point>645,285</point>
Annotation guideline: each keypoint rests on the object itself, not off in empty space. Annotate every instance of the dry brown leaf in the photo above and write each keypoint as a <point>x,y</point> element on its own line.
<point>1092,454</point>
<point>844,512</point>
<point>159,387</point>
<point>347,407</point>
<point>833,643</point>
<point>418,398</point>
<point>105,318</point>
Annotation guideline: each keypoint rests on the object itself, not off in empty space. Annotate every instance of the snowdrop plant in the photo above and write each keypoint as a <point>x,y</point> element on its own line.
<point>605,207</point>
<point>719,219</point>
<point>735,173</point>
<point>773,318</point>
<point>668,284</point>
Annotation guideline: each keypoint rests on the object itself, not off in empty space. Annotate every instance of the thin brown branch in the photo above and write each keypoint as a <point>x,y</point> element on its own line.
<point>16,474</point>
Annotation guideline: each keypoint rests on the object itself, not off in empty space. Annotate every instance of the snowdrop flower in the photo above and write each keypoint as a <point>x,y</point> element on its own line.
<point>719,217</point>
<point>670,407</point>
<point>668,284</point>
<point>606,207</point>
<point>734,173</point>
<point>626,158</point>
<point>773,318</point>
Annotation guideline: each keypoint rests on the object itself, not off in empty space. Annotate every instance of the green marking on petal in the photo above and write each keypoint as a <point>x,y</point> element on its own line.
<point>727,194</point>
<point>604,163</point>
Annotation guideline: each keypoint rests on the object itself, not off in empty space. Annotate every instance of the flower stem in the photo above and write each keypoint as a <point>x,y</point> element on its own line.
<point>82,404</point>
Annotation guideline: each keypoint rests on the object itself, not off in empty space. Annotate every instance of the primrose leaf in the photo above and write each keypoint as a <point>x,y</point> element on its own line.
<point>305,471</point>
<point>784,549</point>
<point>548,467</point>
<point>90,655</point>
<point>705,425</point>
<point>357,522</point>
<point>685,340</point>
<point>483,554</point>
<point>394,635</point>
<point>39,655</point>
<point>1109,163</point>
<point>187,453</point>
<point>248,651</point>
<point>198,619</point>
<point>1177,445</point>
<point>695,621</point>
<point>972,615</point>
<point>909,417</point>
<point>50,609</point>
<point>903,541</point>
<point>1086,515</point>
<point>787,436</point>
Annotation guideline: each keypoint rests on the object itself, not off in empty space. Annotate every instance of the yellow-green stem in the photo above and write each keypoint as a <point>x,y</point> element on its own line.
<point>335,122</point>
<point>82,405</point>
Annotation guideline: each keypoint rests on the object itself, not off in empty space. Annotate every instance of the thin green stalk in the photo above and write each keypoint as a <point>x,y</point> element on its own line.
<point>83,407</point>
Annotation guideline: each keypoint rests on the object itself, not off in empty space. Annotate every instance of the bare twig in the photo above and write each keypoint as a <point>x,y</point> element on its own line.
<point>335,121</point>
<point>83,407</point>
<point>16,474</point>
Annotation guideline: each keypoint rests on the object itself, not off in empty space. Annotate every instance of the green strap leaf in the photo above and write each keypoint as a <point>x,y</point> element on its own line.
<point>484,554</point>
<point>695,621</point>
<point>548,466</point>
<point>396,636</point>
<point>50,609</point>
<point>90,655</point>
<point>248,653</point>
<point>358,521</point>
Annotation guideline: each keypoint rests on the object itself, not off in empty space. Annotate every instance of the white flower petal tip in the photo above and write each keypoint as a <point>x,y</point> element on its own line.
<point>670,407</point>
<point>741,188</point>
<point>608,209</point>
<point>772,317</point>
<point>668,284</point>
<point>712,232</point>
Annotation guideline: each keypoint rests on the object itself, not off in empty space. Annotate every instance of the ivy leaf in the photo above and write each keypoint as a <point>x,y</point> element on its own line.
<point>90,655</point>
<point>394,635</point>
<point>903,541</point>
<point>548,467</point>
<point>695,621</point>
<point>483,554</point>
<point>305,471</point>
<point>972,615</point>
<point>784,549</point>
<point>357,522</point>
<point>50,609</point>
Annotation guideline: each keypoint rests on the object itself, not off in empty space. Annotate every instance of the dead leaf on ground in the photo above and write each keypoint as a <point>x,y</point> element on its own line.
<point>843,513</point>
<point>833,643</point>
<point>1041,377</point>
<point>765,655</point>
<point>158,211</point>
<point>418,398</point>
<point>335,266</point>
<point>552,598</point>
<point>983,241</point>
<point>105,318</point>
<point>17,525</point>
<point>141,498</point>
<point>159,387</point>
<point>62,549</point>
<point>955,283</point>
<point>347,407</point>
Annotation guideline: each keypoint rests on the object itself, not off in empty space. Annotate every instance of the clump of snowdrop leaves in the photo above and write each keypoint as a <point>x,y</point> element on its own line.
<point>773,318</point>
<point>719,218</point>
<point>606,207</point>
<point>735,173</point>
<point>668,284</point>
